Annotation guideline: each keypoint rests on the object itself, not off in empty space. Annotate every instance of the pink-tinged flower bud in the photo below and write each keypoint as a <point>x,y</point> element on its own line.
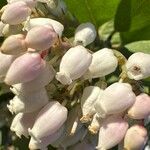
<point>55,113</point>
<point>88,99</point>
<point>45,77</point>
<point>57,26</point>
<point>5,62</point>
<point>135,138</point>
<point>13,45</point>
<point>2,25</point>
<point>141,108</point>
<point>46,38</point>
<point>15,13</point>
<point>112,131</point>
<point>45,141</point>
<point>85,34</point>
<point>30,3</point>
<point>25,68</point>
<point>138,66</point>
<point>22,122</point>
<point>95,124</point>
<point>115,99</point>
<point>28,103</point>
<point>71,68</point>
<point>103,63</point>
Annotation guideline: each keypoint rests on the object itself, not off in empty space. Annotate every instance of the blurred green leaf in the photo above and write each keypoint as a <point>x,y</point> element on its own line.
<point>2,3</point>
<point>140,46</point>
<point>132,15</point>
<point>96,11</point>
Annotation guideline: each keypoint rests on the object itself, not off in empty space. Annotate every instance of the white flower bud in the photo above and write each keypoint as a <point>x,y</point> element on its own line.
<point>55,113</point>
<point>95,124</point>
<point>15,13</point>
<point>28,103</point>
<point>103,63</point>
<point>141,108</point>
<point>14,45</point>
<point>5,63</point>
<point>112,131</point>
<point>138,66</point>
<point>85,34</point>
<point>115,99</point>
<point>25,68</point>
<point>45,77</point>
<point>57,26</point>
<point>74,64</point>
<point>22,122</point>
<point>30,3</point>
<point>46,38</point>
<point>88,99</point>
<point>2,25</point>
<point>45,141</point>
<point>135,138</point>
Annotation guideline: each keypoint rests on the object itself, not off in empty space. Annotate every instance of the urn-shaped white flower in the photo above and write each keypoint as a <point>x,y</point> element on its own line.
<point>25,68</point>
<point>15,13</point>
<point>88,99</point>
<point>28,103</point>
<point>141,108</point>
<point>112,131</point>
<point>45,77</point>
<point>103,63</point>
<point>55,113</point>
<point>46,37</point>
<point>22,122</point>
<point>85,34</point>
<point>57,26</point>
<point>14,45</point>
<point>74,64</point>
<point>135,138</point>
<point>138,66</point>
<point>115,99</point>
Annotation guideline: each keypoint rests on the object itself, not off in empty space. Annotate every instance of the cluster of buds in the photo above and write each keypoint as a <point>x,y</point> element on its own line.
<point>43,110</point>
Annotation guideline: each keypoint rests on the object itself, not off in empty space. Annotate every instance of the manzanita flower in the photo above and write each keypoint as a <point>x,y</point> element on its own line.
<point>85,34</point>
<point>103,63</point>
<point>135,138</point>
<point>57,26</point>
<point>5,63</point>
<point>45,141</point>
<point>22,122</point>
<point>16,13</point>
<point>111,133</point>
<point>55,113</point>
<point>115,99</point>
<point>88,99</point>
<point>74,64</point>
<point>29,102</point>
<point>138,66</point>
<point>46,38</point>
<point>14,45</point>
<point>141,108</point>
<point>25,68</point>
<point>45,77</point>
<point>30,3</point>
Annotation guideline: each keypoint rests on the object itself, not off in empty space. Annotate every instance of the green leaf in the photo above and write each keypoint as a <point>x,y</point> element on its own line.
<point>132,15</point>
<point>95,11</point>
<point>2,3</point>
<point>140,46</point>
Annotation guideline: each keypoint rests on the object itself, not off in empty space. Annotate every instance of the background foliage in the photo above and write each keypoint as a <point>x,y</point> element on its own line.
<point>121,24</point>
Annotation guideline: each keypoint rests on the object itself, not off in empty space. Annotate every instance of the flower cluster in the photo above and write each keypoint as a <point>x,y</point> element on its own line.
<point>56,101</point>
